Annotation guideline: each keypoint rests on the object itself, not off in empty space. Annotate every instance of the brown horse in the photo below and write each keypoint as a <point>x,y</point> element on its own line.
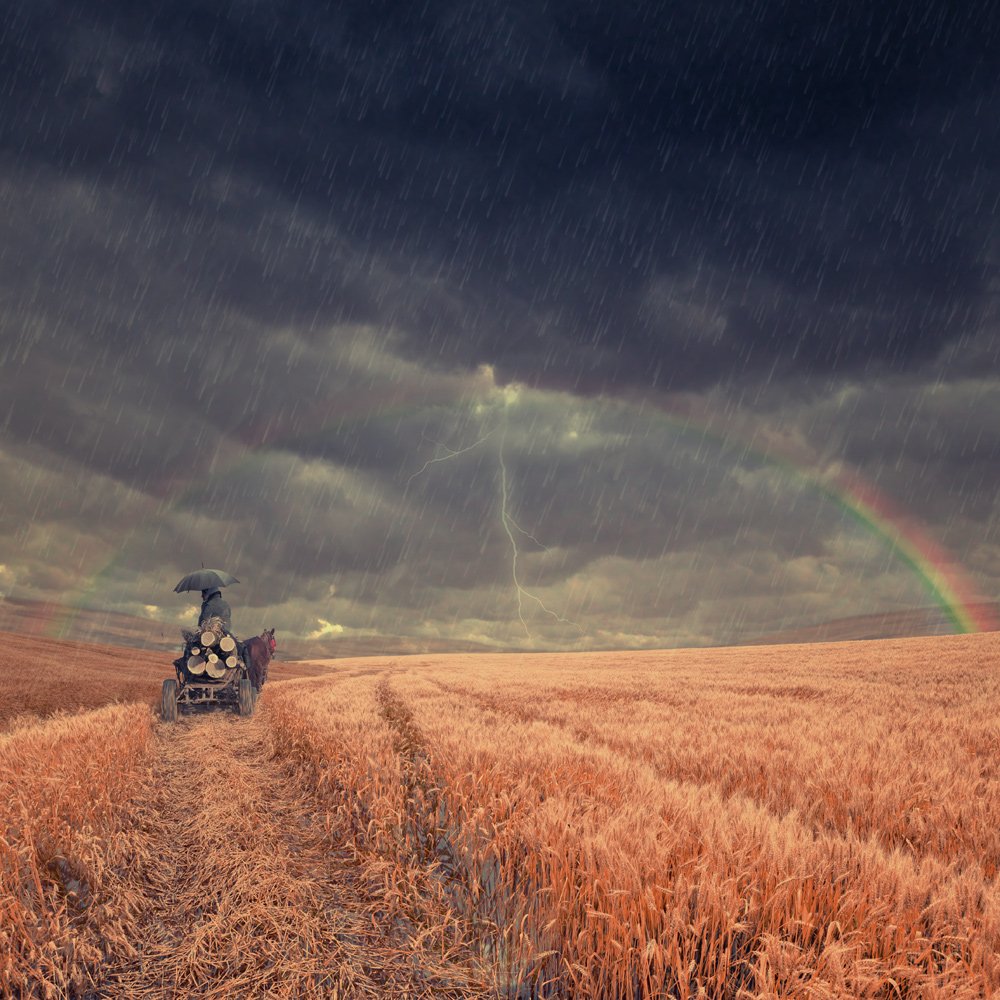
<point>259,651</point>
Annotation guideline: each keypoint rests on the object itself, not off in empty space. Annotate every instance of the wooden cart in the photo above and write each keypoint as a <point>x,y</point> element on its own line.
<point>211,675</point>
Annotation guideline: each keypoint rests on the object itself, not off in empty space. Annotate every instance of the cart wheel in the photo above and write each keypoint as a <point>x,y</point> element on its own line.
<point>246,696</point>
<point>168,703</point>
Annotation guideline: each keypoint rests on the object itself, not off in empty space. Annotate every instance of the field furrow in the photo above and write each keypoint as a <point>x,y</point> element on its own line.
<point>241,890</point>
<point>804,822</point>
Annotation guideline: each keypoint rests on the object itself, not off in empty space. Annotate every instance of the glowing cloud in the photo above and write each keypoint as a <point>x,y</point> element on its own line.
<point>325,628</point>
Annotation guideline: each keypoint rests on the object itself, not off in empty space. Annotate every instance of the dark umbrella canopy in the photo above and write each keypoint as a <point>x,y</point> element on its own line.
<point>205,579</point>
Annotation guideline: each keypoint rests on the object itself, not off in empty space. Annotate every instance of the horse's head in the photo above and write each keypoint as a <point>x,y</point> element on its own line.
<point>269,638</point>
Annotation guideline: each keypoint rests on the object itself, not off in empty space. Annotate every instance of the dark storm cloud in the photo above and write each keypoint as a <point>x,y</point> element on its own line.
<point>302,518</point>
<point>936,445</point>
<point>253,255</point>
<point>552,189</point>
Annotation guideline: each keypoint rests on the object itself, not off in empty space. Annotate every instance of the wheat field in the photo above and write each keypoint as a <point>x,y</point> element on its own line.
<point>40,676</point>
<point>798,821</point>
<point>771,822</point>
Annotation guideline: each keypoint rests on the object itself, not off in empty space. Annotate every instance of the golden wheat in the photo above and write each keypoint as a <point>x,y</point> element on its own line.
<point>143,860</point>
<point>237,889</point>
<point>778,822</point>
<point>41,676</point>
<point>65,788</point>
<point>787,822</point>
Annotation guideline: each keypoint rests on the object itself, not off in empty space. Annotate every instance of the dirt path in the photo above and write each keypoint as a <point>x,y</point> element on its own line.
<point>236,892</point>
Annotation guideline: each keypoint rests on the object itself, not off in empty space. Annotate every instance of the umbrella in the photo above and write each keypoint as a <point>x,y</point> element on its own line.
<point>205,579</point>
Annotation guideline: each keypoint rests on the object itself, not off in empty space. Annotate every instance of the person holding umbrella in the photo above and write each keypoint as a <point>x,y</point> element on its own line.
<point>210,582</point>
<point>213,606</point>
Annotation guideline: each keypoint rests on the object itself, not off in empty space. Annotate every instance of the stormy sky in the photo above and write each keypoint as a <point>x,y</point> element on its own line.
<point>547,325</point>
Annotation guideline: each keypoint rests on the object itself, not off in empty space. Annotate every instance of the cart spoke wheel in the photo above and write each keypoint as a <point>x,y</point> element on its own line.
<point>246,697</point>
<point>168,702</point>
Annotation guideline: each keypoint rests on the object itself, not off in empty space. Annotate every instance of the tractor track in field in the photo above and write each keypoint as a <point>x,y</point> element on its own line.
<point>237,889</point>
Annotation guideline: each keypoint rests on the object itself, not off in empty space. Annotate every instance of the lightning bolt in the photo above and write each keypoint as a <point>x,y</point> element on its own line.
<point>506,520</point>
<point>444,458</point>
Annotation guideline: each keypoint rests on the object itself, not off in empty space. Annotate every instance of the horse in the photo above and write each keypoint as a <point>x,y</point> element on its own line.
<point>259,651</point>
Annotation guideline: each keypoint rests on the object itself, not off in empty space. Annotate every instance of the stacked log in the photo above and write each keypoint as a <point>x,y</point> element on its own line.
<point>215,669</point>
<point>211,651</point>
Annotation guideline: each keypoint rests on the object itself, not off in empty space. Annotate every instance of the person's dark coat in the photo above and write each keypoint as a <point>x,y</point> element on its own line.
<point>213,606</point>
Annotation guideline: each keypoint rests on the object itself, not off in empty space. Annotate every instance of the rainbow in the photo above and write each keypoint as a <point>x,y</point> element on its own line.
<point>941,576</point>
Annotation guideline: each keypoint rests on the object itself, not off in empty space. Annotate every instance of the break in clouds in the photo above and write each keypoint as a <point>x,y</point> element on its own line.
<point>525,328</point>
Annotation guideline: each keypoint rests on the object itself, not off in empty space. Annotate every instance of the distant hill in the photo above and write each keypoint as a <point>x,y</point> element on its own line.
<point>40,675</point>
<point>880,625</point>
<point>58,621</point>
